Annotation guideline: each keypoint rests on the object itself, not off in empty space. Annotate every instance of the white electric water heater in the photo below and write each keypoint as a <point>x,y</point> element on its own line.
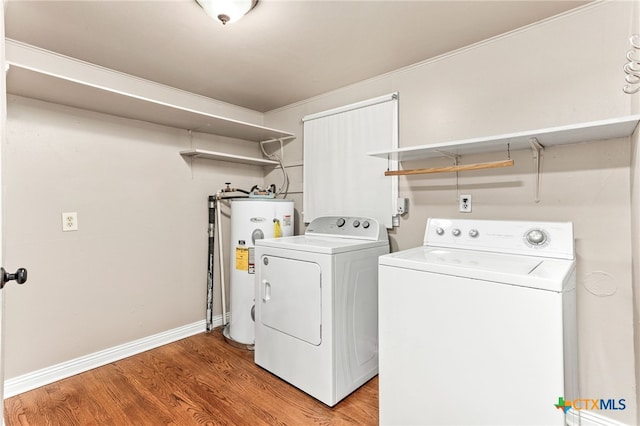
<point>251,219</point>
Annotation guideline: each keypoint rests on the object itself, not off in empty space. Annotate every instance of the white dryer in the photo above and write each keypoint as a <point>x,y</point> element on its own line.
<point>316,322</point>
<point>478,325</point>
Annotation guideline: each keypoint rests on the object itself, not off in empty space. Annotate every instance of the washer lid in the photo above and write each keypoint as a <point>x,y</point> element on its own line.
<point>527,271</point>
<point>316,244</point>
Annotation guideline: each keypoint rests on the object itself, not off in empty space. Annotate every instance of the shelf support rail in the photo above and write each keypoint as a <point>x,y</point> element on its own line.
<point>456,167</point>
<point>460,168</point>
<point>537,150</point>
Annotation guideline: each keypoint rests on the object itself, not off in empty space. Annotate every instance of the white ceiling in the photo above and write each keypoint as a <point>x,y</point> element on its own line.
<point>282,52</point>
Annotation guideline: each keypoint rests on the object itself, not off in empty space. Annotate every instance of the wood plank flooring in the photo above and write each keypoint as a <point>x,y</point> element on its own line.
<point>200,380</point>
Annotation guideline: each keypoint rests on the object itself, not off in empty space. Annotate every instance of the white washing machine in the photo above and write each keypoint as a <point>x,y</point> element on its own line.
<point>316,323</point>
<point>478,325</point>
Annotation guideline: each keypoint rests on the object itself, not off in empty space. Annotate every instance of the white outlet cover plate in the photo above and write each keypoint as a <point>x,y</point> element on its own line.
<point>465,203</point>
<point>69,221</point>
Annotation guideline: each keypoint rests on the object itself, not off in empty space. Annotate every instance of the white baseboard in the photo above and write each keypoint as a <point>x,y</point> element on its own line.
<point>33,380</point>
<point>590,418</point>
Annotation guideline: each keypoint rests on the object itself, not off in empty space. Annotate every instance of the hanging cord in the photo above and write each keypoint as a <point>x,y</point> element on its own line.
<point>456,160</point>
<point>285,177</point>
<point>632,67</point>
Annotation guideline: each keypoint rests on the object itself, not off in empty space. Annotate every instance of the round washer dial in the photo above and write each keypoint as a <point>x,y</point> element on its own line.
<point>536,237</point>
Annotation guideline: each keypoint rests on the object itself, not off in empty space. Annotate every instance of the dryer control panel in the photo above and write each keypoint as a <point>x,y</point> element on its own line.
<point>347,227</point>
<point>546,239</point>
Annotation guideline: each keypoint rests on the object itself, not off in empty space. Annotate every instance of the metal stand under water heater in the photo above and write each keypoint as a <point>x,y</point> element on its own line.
<point>251,219</point>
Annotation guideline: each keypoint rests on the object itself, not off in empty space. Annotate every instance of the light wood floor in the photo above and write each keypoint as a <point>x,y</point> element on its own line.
<point>200,380</point>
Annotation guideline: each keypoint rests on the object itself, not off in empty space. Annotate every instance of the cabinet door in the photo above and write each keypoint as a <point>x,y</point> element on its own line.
<point>290,297</point>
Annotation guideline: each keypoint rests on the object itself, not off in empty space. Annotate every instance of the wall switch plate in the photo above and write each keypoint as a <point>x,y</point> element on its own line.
<point>465,204</point>
<point>69,221</point>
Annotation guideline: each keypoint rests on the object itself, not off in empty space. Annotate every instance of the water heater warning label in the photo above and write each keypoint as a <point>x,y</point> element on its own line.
<point>242,258</point>
<point>252,260</point>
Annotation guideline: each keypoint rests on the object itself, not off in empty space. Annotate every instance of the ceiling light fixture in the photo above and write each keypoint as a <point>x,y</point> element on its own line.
<point>227,10</point>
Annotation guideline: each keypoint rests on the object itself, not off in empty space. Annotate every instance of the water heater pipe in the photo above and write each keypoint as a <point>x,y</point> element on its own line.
<point>211,261</point>
<point>223,290</point>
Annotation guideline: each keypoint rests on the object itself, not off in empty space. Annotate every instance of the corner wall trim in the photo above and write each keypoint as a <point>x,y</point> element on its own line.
<point>45,376</point>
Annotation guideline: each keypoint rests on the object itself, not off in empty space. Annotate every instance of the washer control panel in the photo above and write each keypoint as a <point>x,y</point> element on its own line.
<point>548,239</point>
<point>536,237</point>
<point>347,227</point>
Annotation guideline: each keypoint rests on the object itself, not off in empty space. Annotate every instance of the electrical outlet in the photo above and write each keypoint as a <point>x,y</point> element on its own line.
<point>465,204</point>
<point>69,221</point>
<point>403,205</point>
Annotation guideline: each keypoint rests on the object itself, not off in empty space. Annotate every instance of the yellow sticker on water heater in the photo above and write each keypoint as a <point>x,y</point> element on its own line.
<point>277,230</point>
<point>242,258</point>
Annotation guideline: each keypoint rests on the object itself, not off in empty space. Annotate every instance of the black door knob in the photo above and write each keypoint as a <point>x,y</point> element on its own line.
<point>20,276</point>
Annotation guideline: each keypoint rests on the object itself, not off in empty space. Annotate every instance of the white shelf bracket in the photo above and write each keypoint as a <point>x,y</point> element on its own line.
<point>454,157</point>
<point>456,161</point>
<point>537,150</point>
<point>286,138</point>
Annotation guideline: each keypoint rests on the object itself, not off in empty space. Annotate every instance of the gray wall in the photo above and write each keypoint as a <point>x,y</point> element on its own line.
<point>137,265</point>
<point>561,72</point>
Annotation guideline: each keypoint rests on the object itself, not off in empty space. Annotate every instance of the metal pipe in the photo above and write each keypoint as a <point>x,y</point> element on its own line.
<point>221,258</point>
<point>211,260</point>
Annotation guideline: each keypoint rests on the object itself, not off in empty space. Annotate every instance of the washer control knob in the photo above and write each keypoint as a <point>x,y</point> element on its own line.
<point>455,232</point>
<point>365,224</point>
<point>536,237</point>
<point>439,231</point>
<point>340,222</point>
<point>473,233</point>
<point>356,223</point>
